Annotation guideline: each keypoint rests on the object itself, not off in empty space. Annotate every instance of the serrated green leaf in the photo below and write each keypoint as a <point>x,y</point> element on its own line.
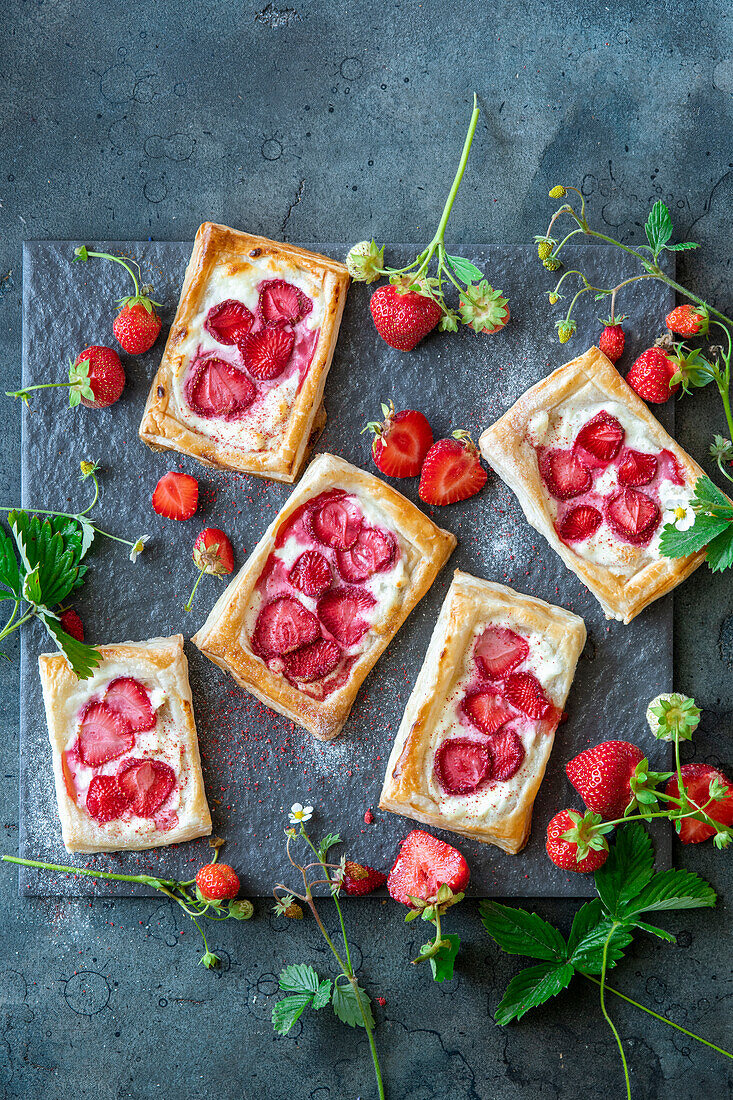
<point>9,571</point>
<point>678,544</point>
<point>32,587</point>
<point>83,658</point>
<point>464,269</point>
<point>299,978</point>
<point>682,247</point>
<point>654,931</point>
<point>588,954</point>
<point>586,918</point>
<point>287,1011</point>
<point>708,493</point>
<point>327,843</point>
<point>87,537</point>
<point>521,933</point>
<point>672,890</point>
<point>628,869</point>
<point>74,397</point>
<point>532,987</point>
<point>323,995</point>
<point>41,544</point>
<point>346,1006</point>
<point>658,227</point>
<point>443,961</point>
<point>719,552</point>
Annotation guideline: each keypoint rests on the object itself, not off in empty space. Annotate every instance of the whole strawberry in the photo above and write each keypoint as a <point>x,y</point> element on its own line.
<point>137,325</point>
<point>651,375</point>
<point>688,320</point>
<point>403,317</point>
<point>401,441</point>
<point>611,342</point>
<point>96,379</point>
<point>573,844</point>
<point>452,471</point>
<point>217,882</point>
<point>602,775</point>
<point>359,879</point>
<point>72,624</point>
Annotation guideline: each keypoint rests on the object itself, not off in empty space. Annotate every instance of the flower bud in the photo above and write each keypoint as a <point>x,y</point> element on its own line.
<point>558,192</point>
<point>364,262</point>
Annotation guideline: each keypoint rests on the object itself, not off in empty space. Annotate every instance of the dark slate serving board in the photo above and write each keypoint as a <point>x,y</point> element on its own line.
<point>256,764</point>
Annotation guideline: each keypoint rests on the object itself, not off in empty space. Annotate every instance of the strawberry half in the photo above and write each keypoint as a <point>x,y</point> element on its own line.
<point>633,516</point>
<point>212,552</point>
<point>423,865</point>
<point>282,303</point>
<point>525,692</point>
<point>402,320</point>
<point>216,388</point>
<point>651,375</point>
<point>313,662</point>
<point>103,735</point>
<point>462,765</point>
<point>508,753</point>
<point>311,574</point>
<point>146,784</point>
<point>105,799</point>
<point>176,496</point>
<point>452,471</point>
<point>601,776</point>
<point>498,651</point>
<point>229,321</point>
<point>341,613</point>
<point>697,778</point>
<point>637,468</point>
<point>486,710</point>
<point>564,853</point>
<point>359,879</point>
<point>129,699</point>
<point>611,342</point>
<point>579,523</point>
<point>564,474</point>
<point>599,441</point>
<point>282,626</point>
<point>336,522</point>
<point>373,552</point>
<point>401,441</point>
<point>266,353</point>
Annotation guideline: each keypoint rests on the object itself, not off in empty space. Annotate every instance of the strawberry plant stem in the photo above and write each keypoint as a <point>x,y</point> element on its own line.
<point>608,1019</point>
<point>83,254</point>
<point>188,606</point>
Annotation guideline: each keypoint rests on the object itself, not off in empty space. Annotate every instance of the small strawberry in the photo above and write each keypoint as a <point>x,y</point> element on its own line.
<point>137,325</point>
<point>72,624</point>
<point>576,843</point>
<point>651,375</point>
<point>452,471</point>
<point>688,320</point>
<point>423,864</point>
<point>401,441</point>
<point>697,779</point>
<point>611,342</point>
<point>176,496</point>
<point>602,776</point>
<point>403,317</point>
<point>212,553</point>
<point>217,882</point>
<point>359,879</point>
<point>96,379</point>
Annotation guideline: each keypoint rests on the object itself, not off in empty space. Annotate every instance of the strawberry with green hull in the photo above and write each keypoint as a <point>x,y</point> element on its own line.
<point>697,780</point>
<point>573,843</point>
<point>651,375</point>
<point>611,341</point>
<point>217,882</point>
<point>96,379</point>
<point>688,320</point>
<point>401,441</point>
<point>213,554</point>
<point>137,325</point>
<point>602,776</point>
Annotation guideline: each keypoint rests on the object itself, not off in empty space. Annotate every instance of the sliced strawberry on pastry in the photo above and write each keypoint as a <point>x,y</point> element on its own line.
<point>578,524</point>
<point>146,784</point>
<point>311,573</point>
<point>341,612</point>
<point>599,441</point>
<point>229,321</point>
<point>129,699</point>
<point>498,651</point>
<point>266,353</point>
<point>313,662</point>
<point>633,515</point>
<point>336,522</point>
<point>636,468</point>
<point>106,801</point>
<point>373,552</point>
<point>103,735</point>
<point>486,710</point>
<point>282,303</point>
<point>423,864</point>
<point>508,754</point>
<point>564,474</point>
<point>284,625</point>
<point>462,765</point>
<point>525,692</point>
<point>217,388</point>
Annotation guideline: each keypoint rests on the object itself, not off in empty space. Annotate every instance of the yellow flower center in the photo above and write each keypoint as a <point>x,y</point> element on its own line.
<point>680,512</point>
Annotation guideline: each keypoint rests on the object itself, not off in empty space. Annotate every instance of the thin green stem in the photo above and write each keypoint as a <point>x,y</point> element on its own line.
<point>440,231</point>
<point>117,260</point>
<point>435,945</point>
<point>8,629</point>
<point>42,386</point>
<point>609,1021</point>
<point>188,606</point>
<point>144,880</point>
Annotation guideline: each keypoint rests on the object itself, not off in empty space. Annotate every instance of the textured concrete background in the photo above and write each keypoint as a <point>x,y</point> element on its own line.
<point>335,121</point>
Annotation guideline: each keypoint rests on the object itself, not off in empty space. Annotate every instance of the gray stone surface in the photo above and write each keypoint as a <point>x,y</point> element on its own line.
<point>325,121</point>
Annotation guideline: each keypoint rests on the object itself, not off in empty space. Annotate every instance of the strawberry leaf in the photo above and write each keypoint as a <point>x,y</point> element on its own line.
<point>678,544</point>
<point>327,843</point>
<point>532,987</point>
<point>9,571</point>
<point>464,269</point>
<point>658,227</point>
<point>588,954</point>
<point>288,1011</point>
<point>83,658</point>
<point>346,1006</point>
<point>323,994</point>
<point>587,917</point>
<point>681,247</point>
<point>628,869</point>
<point>521,933</point>
<point>299,978</point>
<point>719,553</point>
<point>443,961</point>
<point>671,890</point>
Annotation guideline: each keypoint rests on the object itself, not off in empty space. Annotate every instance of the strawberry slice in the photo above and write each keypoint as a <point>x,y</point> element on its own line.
<point>498,651</point>
<point>282,303</point>
<point>579,523</point>
<point>176,496</point>
<point>452,471</point>
<point>129,699</point>
<point>284,625</point>
<point>103,735</point>
<point>146,784</point>
<point>423,864</point>
<point>486,710</point>
<point>216,388</point>
<point>105,800</point>
<point>600,439</point>
<point>564,474</point>
<point>373,552</point>
<point>697,778</point>
<point>341,611</point>
<point>637,468</point>
<point>228,322</point>
<point>508,753</point>
<point>311,573</point>
<point>401,441</point>
<point>461,765</point>
<point>313,662</point>
<point>266,353</point>
<point>633,516</point>
<point>525,692</point>
<point>337,522</point>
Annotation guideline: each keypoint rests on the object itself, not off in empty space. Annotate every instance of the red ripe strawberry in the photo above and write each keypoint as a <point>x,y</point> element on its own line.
<point>313,662</point>
<point>336,522</point>
<point>599,441</point>
<point>213,553</point>
<point>697,778</point>
<point>146,784</point>
<point>129,699</point>
<point>341,612</point>
<point>564,853</point>
<point>508,753</point>
<point>637,468</point>
<point>579,523</point>
<point>452,471</point>
<point>564,474</point>
<point>462,765</point>
<point>311,574</point>
<point>284,625</point>
<point>228,322</point>
<point>688,320</point>
<point>176,496</point>
<point>423,864</point>
<point>217,882</point>
<point>216,388</point>
<point>651,374</point>
<point>633,516</point>
<point>105,800</point>
<point>402,320</point>
<point>373,551</point>
<point>498,651</point>
<point>525,692</point>
<point>136,327</point>
<point>266,353</point>
<point>611,342</point>
<point>601,776</point>
<point>103,735</point>
<point>401,441</point>
<point>101,368</point>
<point>359,879</point>
<point>486,710</point>
<point>72,624</point>
<point>282,303</point>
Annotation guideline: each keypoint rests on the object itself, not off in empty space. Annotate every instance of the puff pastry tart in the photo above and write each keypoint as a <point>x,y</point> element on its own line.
<point>323,593</point>
<point>125,751</point>
<point>241,381</point>
<point>599,477</point>
<point>478,728</point>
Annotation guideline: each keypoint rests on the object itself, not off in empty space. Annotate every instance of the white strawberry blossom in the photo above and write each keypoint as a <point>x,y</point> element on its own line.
<point>300,814</point>
<point>138,547</point>
<point>680,514</point>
